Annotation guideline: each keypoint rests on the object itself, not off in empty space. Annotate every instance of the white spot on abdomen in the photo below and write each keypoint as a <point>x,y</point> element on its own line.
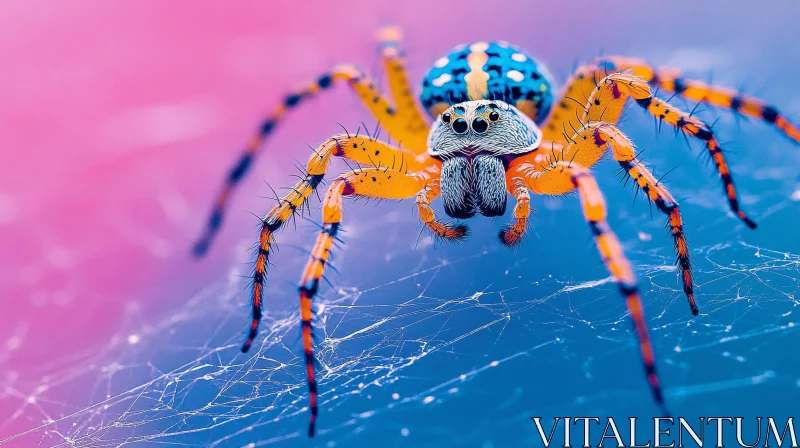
<point>479,47</point>
<point>515,75</point>
<point>440,81</point>
<point>519,57</point>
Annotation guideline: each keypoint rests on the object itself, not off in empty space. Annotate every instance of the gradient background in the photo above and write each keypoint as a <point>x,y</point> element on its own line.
<point>119,120</point>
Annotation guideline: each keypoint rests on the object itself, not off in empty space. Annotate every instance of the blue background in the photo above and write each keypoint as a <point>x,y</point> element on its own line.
<point>474,339</point>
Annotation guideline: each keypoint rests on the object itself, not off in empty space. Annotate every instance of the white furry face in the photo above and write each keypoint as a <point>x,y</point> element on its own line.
<point>482,127</point>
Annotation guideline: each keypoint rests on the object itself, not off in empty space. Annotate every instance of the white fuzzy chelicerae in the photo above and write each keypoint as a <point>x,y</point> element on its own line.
<point>474,141</point>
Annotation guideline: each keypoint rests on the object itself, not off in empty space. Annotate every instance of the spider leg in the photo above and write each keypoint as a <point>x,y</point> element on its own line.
<point>441,229</point>
<point>512,234</point>
<point>570,106</point>
<point>404,123</point>
<point>371,182</point>
<point>309,284</point>
<point>667,205</point>
<point>408,112</point>
<point>564,177</point>
<point>588,146</point>
<point>580,85</point>
<point>362,149</point>
<point>672,80</point>
<point>591,142</point>
<point>606,101</point>
<point>358,149</point>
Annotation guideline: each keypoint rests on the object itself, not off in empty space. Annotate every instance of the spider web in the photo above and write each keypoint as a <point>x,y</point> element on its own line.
<point>459,345</point>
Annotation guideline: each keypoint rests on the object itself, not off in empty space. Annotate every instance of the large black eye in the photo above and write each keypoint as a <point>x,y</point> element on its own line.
<point>480,125</point>
<point>446,118</point>
<point>494,116</point>
<point>460,126</point>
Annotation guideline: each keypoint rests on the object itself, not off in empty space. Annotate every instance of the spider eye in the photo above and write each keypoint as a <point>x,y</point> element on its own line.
<point>460,126</point>
<point>480,125</point>
<point>494,116</point>
<point>446,118</point>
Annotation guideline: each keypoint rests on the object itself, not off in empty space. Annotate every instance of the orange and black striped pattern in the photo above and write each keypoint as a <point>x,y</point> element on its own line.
<point>587,146</point>
<point>271,223</point>
<point>594,210</point>
<point>578,132</point>
<point>666,204</point>
<point>404,123</point>
<point>605,104</point>
<point>624,153</point>
<point>693,127</point>
<point>309,285</point>
<point>369,182</point>
<point>358,149</point>
<point>563,176</point>
<point>245,162</point>
<point>672,80</point>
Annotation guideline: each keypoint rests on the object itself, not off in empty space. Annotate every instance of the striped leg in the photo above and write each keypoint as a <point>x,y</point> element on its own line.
<point>309,284</point>
<point>373,182</point>
<point>672,80</point>
<point>625,154</point>
<point>408,113</point>
<point>606,101</point>
<point>566,115</point>
<point>402,125</point>
<point>271,223</point>
<point>668,206</point>
<point>555,181</point>
<point>359,149</point>
<point>444,230</point>
<point>512,234</point>
<point>588,146</point>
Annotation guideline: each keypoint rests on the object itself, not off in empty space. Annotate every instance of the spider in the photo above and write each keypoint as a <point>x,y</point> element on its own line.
<point>494,132</point>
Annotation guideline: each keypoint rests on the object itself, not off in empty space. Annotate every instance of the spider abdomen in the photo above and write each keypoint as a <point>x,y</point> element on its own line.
<point>488,70</point>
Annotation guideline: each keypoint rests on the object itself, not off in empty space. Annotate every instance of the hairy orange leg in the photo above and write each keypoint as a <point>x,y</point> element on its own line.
<point>309,284</point>
<point>359,149</point>
<point>564,177</point>
<point>547,153</point>
<point>671,80</point>
<point>372,182</point>
<point>569,108</point>
<point>383,183</point>
<point>587,147</point>
<point>403,125</point>
<point>667,205</point>
<point>512,234</point>
<point>606,101</point>
<point>408,113</point>
<point>441,229</point>
<point>590,144</point>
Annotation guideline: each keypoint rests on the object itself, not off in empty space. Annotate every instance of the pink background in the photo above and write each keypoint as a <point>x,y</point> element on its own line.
<point>118,120</point>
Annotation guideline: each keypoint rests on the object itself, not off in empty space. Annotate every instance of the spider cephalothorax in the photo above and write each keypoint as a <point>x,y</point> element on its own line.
<point>484,146</point>
<point>476,141</point>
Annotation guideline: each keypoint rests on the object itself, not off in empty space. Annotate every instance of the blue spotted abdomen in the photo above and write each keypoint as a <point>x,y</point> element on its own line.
<point>488,70</point>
